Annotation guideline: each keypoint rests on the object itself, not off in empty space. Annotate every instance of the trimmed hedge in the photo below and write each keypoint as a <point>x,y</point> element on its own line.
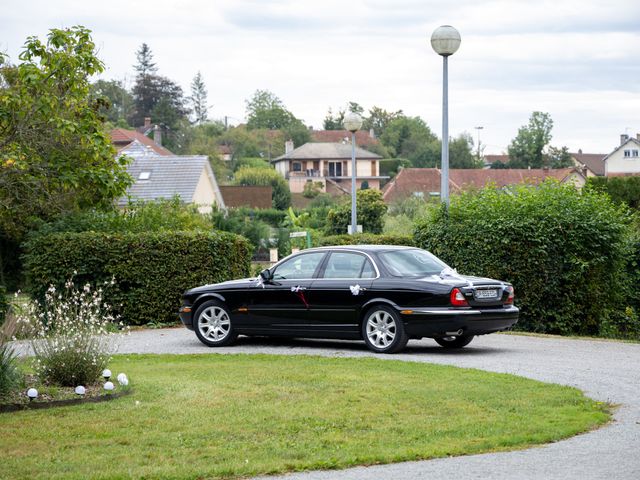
<point>365,239</point>
<point>564,251</point>
<point>151,270</point>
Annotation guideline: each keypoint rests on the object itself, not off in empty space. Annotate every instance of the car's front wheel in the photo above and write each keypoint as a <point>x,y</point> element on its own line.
<point>383,331</point>
<point>213,325</point>
<point>454,342</point>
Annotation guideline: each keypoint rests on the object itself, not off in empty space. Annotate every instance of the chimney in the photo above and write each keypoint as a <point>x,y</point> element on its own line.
<point>288,147</point>
<point>638,136</point>
<point>147,122</point>
<point>623,138</point>
<point>372,133</point>
<point>157,135</point>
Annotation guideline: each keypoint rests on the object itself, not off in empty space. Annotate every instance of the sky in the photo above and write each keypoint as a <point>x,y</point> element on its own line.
<point>576,60</point>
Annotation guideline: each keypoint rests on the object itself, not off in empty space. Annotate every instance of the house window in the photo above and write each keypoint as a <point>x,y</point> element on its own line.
<point>144,176</point>
<point>335,169</point>
<point>627,153</point>
<point>297,166</point>
<point>634,153</point>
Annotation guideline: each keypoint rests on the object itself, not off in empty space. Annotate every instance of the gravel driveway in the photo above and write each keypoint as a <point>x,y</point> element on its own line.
<point>606,371</point>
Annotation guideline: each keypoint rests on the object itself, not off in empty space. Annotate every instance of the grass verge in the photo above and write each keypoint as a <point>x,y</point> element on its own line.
<point>227,416</point>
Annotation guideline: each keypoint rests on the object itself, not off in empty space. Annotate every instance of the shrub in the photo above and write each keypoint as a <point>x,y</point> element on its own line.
<point>312,189</point>
<point>563,250</point>
<point>160,215</point>
<point>72,343</point>
<point>281,195</point>
<point>151,270</point>
<point>620,189</point>
<point>10,376</point>
<point>365,239</point>
<point>370,211</point>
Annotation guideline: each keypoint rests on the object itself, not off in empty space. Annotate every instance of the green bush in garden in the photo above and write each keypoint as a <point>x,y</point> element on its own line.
<point>151,270</point>
<point>370,210</point>
<point>364,239</point>
<point>565,251</point>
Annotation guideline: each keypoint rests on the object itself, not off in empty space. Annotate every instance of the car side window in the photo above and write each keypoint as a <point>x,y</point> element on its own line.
<point>299,267</point>
<point>348,265</point>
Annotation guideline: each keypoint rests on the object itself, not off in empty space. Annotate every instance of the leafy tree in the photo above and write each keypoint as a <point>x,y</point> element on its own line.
<point>54,153</point>
<point>332,122</point>
<point>355,107</point>
<point>379,119</point>
<point>411,138</point>
<point>266,110</point>
<point>119,101</point>
<point>558,157</point>
<point>461,154</point>
<point>297,132</point>
<point>370,213</point>
<point>198,99</point>
<point>526,149</point>
<point>281,195</point>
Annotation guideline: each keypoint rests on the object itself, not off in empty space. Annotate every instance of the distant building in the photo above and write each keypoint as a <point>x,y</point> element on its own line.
<point>328,164</point>
<point>122,138</point>
<point>164,176</point>
<point>625,159</point>
<point>425,182</point>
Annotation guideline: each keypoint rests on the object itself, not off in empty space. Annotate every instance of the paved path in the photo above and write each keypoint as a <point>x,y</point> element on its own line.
<point>606,371</point>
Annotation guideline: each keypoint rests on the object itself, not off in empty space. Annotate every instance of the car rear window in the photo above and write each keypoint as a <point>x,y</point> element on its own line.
<point>411,263</point>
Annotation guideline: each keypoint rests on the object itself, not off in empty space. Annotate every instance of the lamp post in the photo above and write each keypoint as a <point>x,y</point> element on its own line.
<point>478,129</point>
<point>445,40</point>
<point>353,122</point>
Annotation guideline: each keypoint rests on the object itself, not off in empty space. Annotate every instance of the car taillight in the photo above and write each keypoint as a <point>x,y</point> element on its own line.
<point>457,298</point>
<point>511,296</point>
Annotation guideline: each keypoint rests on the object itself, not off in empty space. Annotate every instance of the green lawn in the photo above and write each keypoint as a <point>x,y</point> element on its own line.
<point>225,416</point>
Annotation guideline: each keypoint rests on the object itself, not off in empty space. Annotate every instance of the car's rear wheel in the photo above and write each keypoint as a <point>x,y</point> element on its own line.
<point>383,331</point>
<point>454,342</point>
<point>213,325</point>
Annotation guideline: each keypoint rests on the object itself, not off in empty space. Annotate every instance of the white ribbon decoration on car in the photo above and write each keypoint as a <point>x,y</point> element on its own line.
<point>355,289</point>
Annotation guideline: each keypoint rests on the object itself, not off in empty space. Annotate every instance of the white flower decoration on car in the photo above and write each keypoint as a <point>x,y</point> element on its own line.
<point>355,289</point>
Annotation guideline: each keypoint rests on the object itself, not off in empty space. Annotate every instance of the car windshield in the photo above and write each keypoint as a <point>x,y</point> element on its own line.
<point>411,263</point>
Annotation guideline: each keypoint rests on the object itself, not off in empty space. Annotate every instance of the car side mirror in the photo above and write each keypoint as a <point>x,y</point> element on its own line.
<point>266,275</point>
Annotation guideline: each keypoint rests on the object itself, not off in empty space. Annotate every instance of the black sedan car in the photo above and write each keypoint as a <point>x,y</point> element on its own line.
<point>384,295</point>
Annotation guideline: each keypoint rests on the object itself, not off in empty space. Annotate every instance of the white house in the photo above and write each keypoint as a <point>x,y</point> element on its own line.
<point>625,159</point>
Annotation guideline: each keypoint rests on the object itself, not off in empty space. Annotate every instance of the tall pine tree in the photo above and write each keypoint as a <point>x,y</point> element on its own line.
<point>198,100</point>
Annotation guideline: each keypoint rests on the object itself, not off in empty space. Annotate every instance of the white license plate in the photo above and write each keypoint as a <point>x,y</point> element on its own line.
<point>486,293</point>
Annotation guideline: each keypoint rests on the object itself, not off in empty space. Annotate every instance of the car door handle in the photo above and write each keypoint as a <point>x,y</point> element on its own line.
<point>298,288</point>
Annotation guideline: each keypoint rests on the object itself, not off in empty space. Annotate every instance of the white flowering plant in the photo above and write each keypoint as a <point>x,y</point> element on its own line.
<point>73,334</point>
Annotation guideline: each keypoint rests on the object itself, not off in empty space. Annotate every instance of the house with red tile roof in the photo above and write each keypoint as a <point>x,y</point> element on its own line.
<point>122,138</point>
<point>363,139</point>
<point>425,182</point>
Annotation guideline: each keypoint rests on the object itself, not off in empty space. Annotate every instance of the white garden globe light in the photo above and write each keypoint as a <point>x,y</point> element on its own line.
<point>80,390</point>
<point>352,122</point>
<point>32,393</point>
<point>106,374</point>
<point>109,386</point>
<point>445,40</point>
<point>122,379</point>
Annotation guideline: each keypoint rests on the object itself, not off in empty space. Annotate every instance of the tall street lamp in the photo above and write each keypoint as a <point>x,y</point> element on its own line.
<point>445,40</point>
<point>353,122</point>
<point>478,129</point>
